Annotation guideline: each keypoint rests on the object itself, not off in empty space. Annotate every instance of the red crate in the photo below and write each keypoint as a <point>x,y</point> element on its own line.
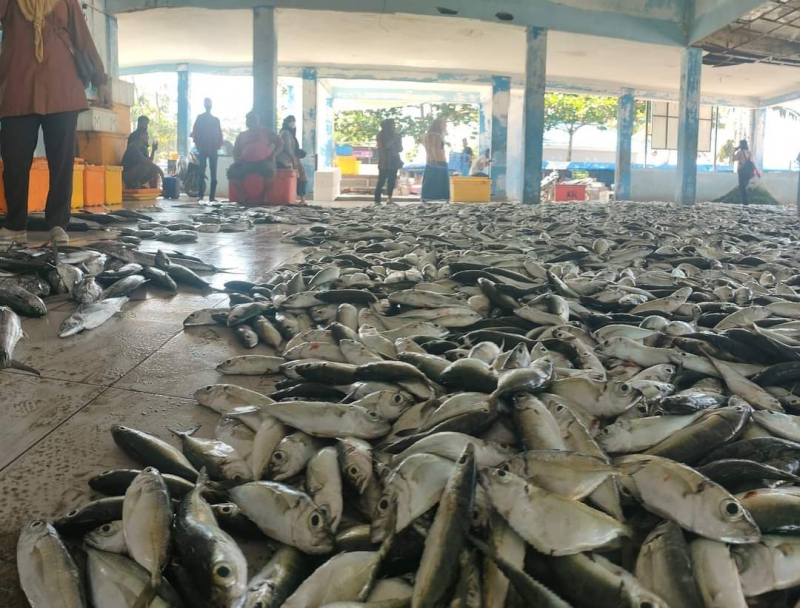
<point>565,193</point>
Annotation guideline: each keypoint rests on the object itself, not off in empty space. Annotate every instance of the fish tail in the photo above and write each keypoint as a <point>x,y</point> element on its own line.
<point>149,593</point>
<point>187,433</point>
<point>25,368</point>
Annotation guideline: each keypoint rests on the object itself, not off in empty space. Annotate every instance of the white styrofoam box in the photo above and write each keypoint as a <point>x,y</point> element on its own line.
<point>122,92</point>
<point>328,176</point>
<point>98,119</point>
<point>326,192</point>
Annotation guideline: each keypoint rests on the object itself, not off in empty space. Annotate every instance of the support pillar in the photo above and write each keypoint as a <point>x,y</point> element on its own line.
<point>688,125</point>
<point>183,110</point>
<point>501,98</point>
<point>533,114</point>
<point>324,126</point>
<point>265,66</point>
<point>112,44</point>
<point>626,114</point>
<point>484,125</point>
<point>758,120</point>
<point>310,124</point>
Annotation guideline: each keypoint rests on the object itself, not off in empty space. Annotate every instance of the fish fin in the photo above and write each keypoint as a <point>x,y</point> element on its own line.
<point>203,479</point>
<point>147,595</point>
<point>187,433</point>
<point>25,368</point>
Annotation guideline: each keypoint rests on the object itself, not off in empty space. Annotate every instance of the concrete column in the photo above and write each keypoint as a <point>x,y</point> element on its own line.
<point>112,42</point>
<point>798,194</point>
<point>758,120</point>
<point>626,114</point>
<point>688,125</point>
<point>265,66</point>
<point>324,126</point>
<point>533,114</point>
<point>484,126</point>
<point>184,120</point>
<point>501,98</point>
<point>310,123</point>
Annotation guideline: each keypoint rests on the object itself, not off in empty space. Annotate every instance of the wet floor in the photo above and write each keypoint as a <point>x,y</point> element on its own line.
<point>140,369</point>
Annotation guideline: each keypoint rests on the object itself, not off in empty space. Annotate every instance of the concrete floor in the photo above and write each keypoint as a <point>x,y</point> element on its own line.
<point>139,369</point>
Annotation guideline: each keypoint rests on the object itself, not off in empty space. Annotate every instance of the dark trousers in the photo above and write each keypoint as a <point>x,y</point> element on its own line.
<point>212,167</point>
<point>744,180</point>
<point>19,135</point>
<point>389,178</point>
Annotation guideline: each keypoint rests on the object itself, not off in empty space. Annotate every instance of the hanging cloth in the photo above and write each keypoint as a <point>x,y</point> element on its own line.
<point>36,11</point>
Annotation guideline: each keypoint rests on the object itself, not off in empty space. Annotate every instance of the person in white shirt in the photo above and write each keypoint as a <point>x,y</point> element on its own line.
<point>480,167</point>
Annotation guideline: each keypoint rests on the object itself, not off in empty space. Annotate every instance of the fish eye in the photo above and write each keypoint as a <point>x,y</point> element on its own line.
<point>353,470</point>
<point>222,572</point>
<point>106,528</point>
<point>383,504</point>
<point>258,605</point>
<point>72,513</point>
<point>37,524</point>
<point>150,470</point>
<point>315,520</point>
<point>278,456</point>
<point>373,415</point>
<point>606,431</point>
<point>397,398</point>
<point>646,605</point>
<point>623,489</point>
<point>502,473</point>
<point>606,342</point>
<point>560,408</point>
<point>670,370</point>
<point>625,387</point>
<point>226,509</point>
<point>730,509</point>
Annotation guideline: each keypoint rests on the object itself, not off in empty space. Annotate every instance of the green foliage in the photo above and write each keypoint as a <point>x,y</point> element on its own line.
<point>570,113</point>
<point>361,127</point>
<point>163,121</point>
<point>756,196</point>
<point>726,152</point>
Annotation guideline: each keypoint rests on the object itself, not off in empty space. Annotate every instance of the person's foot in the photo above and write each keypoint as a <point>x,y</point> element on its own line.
<point>11,237</point>
<point>59,235</point>
<point>391,201</point>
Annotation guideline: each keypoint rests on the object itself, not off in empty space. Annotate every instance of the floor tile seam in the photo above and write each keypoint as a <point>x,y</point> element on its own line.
<point>55,428</point>
<point>157,350</point>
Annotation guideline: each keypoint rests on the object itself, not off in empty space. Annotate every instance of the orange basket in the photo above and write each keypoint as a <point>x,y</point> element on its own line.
<point>94,186</point>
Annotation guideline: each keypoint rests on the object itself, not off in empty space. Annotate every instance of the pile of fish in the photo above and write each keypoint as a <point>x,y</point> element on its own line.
<point>479,406</point>
<point>99,278</point>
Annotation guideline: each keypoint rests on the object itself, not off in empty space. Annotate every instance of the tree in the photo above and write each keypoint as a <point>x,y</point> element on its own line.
<point>361,127</point>
<point>163,121</point>
<point>571,113</point>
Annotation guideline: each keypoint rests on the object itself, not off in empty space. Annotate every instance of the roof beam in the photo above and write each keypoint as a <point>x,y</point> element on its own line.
<point>709,16</point>
<point>655,28</point>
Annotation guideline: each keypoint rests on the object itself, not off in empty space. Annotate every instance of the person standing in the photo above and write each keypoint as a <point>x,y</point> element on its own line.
<point>745,169</point>
<point>469,156</point>
<point>390,145</point>
<point>47,59</point>
<point>292,155</point>
<point>207,136</point>
<point>436,179</point>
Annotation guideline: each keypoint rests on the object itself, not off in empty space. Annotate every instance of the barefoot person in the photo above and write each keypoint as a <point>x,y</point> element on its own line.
<point>44,42</point>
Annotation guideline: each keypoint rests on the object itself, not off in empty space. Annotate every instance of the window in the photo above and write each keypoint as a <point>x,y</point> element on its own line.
<point>664,126</point>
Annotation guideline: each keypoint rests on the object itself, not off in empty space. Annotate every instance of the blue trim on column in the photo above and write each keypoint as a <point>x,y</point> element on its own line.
<point>626,113</point>
<point>183,112</point>
<point>265,66</point>
<point>533,113</point>
<point>688,125</point>
<point>758,135</point>
<point>310,124</point>
<point>501,99</point>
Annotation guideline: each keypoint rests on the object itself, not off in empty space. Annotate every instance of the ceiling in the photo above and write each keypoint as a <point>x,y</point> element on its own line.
<point>327,38</point>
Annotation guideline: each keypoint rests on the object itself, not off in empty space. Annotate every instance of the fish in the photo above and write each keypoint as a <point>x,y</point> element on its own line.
<point>22,301</point>
<point>48,574</point>
<point>91,316</point>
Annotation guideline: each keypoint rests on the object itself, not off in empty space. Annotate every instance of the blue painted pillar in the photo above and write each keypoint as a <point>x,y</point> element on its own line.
<point>112,44</point>
<point>265,66</point>
<point>183,110</point>
<point>501,98</point>
<point>688,125</point>
<point>310,123</point>
<point>533,114</point>
<point>758,131</point>
<point>484,123</point>
<point>324,126</point>
<point>626,114</point>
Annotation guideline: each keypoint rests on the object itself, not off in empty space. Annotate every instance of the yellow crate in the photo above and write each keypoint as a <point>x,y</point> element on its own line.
<point>77,187</point>
<point>113,185</point>
<point>349,165</point>
<point>470,189</point>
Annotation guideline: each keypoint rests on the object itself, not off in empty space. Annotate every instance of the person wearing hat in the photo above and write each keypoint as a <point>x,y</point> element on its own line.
<point>745,168</point>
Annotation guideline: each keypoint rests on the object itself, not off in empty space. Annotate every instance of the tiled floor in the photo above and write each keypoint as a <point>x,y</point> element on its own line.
<point>139,369</point>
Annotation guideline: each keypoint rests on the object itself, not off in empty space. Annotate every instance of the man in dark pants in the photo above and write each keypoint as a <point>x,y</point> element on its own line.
<point>207,136</point>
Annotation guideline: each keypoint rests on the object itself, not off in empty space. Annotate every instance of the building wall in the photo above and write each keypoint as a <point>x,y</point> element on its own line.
<point>659,185</point>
